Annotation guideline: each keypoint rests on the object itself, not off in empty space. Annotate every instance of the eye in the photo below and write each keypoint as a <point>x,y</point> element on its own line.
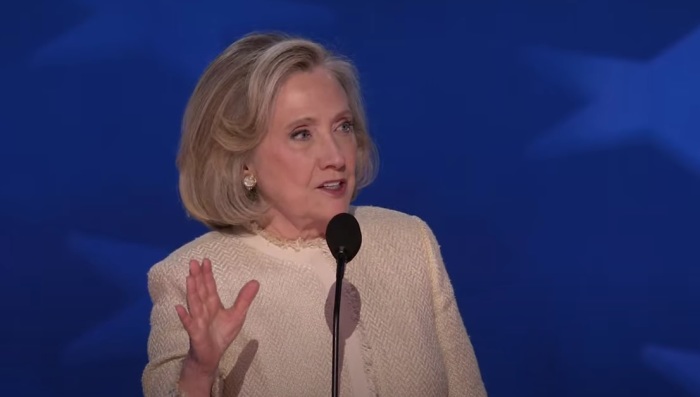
<point>348,127</point>
<point>301,135</point>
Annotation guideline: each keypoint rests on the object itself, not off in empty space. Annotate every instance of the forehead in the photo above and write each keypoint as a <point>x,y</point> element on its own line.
<point>315,91</point>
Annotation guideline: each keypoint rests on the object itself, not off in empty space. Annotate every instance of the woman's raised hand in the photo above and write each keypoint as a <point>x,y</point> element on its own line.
<point>211,326</point>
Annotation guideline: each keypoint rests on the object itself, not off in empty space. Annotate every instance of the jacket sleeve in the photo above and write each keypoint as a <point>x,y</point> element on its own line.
<point>168,342</point>
<point>462,366</point>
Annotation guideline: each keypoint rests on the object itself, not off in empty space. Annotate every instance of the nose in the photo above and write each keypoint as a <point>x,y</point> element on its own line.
<point>332,154</point>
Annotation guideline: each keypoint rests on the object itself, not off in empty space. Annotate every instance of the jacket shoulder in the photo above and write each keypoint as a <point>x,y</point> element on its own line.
<point>177,262</point>
<point>388,222</point>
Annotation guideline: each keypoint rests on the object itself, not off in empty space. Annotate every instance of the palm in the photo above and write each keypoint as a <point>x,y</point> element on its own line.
<point>210,325</point>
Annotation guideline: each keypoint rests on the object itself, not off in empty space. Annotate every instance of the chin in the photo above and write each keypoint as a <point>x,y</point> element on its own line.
<point>334,209</point>
<point>337,209</point>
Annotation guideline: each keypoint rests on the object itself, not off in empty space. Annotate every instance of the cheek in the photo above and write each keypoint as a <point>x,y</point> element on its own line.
<point>351,154</point>
<point>273,173</point>
<point>286,174</point>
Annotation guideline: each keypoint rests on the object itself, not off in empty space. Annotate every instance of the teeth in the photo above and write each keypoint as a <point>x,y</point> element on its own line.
<point>332,185</point>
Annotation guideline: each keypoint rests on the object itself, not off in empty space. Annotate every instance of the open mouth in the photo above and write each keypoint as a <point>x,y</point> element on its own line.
<point>333,186</point>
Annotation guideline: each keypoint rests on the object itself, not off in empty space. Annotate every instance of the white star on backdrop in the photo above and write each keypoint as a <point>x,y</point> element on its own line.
<point>184,34</point>
<point>678,366</point>
<point>656,101</point>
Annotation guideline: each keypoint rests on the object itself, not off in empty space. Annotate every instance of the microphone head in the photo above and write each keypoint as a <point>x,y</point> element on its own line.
<point>343,236</point>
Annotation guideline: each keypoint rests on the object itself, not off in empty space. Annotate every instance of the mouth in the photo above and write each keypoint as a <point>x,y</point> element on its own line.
<point>337,185</point>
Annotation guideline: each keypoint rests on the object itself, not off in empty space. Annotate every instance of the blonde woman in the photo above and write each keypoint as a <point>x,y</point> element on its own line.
<point>275,144</point>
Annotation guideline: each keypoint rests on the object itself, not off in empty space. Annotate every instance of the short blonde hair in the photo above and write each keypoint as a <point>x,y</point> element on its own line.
<point>226,118</point>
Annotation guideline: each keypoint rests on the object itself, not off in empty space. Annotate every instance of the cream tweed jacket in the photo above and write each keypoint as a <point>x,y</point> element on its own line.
<point>413,340</point>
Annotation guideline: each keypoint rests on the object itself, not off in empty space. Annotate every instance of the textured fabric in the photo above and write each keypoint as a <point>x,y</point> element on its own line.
<point>400,300</point>
<point>315,258</point>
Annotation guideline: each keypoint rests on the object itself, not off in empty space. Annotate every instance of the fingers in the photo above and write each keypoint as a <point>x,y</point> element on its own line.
<point>196,273</point>
<point>204,303</point>
<point>185,318</point>
<point>194,303</point>
<point>202,297</point>
<point>196,322</point>
<point>245,298</point>
<point>212,300</point>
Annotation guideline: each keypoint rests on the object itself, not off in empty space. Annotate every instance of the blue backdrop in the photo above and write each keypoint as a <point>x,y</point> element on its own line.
<point>553,146</point>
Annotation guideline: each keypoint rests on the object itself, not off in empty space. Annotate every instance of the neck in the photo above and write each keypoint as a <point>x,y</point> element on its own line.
<point>292,234</point>
<point>283,230</point>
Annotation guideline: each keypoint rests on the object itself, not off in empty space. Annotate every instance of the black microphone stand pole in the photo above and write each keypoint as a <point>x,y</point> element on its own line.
<point>340,273</point>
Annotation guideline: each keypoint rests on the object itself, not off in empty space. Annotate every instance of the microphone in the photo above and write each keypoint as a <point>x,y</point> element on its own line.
<point>344,239</point>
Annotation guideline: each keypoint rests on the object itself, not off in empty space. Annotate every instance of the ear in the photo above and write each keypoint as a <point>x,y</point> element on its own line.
<point>249,164</point>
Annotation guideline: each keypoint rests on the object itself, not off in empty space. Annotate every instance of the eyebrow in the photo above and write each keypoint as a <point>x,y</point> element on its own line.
<point>311,120</point>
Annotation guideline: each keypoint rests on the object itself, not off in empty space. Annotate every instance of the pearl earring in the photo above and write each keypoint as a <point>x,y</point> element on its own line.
<point>249,182</point>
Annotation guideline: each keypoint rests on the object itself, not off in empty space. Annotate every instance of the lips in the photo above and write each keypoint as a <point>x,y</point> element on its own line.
<point>335,184</point>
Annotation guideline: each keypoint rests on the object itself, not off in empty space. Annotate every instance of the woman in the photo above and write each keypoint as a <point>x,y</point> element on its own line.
<point>274,145</point>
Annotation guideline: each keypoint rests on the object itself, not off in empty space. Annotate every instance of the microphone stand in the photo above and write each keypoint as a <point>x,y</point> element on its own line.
<point>340,272</point>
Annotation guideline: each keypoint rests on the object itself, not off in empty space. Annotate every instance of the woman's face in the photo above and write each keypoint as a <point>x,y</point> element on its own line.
<point>305,165</point>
